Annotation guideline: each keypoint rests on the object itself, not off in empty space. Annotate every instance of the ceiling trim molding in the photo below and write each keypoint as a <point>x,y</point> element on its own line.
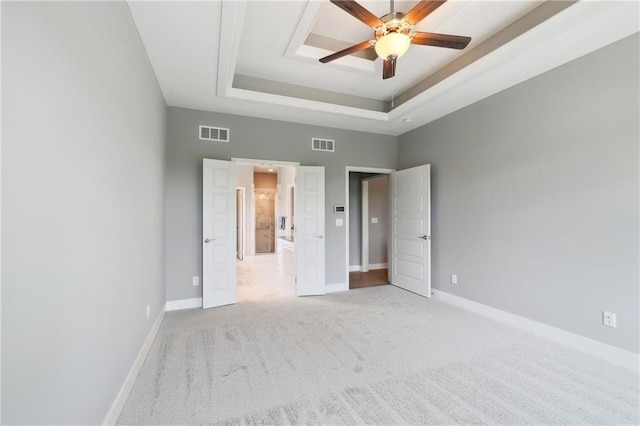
<point>303,28</point>
<point>271,98</point>
<point>577,30</point>
<point>298,50</point>
<point>303,92</point>
<point>231,23</point>
<point>532,19</point>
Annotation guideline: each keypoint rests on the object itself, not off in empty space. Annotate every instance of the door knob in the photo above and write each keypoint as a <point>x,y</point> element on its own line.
<point>319,236</point>
<point>425,237</point>
<point>208,240</point>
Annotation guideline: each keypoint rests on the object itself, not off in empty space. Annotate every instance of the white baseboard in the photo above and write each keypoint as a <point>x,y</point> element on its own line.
<point>610,353</point>
<point>177,305</point>
<point>358,268</point>
<point>378,266</point>
<point>333,288</point>
<point>121,398</point>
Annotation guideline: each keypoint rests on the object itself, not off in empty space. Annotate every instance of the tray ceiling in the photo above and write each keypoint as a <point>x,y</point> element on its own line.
<point>260,58</point>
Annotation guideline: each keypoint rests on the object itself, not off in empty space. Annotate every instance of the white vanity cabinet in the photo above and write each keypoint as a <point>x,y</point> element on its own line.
<point>284,250</point>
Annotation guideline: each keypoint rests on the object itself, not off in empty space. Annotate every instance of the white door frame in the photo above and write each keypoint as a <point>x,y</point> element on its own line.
<point>264,163</point>
<point>349,169</point>
<point>243,218</point>
<point>251,204</point>
<point>364,217</point>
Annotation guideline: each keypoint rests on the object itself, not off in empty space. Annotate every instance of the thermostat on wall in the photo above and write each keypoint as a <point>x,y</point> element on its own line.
<point>338,208</point>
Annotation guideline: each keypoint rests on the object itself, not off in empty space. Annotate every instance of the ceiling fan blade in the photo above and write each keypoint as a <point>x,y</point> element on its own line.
<point>389,67</point>
<point>422,10</point>
<point>348,51</point>
<point>440,40</point>
<point>354,9</point>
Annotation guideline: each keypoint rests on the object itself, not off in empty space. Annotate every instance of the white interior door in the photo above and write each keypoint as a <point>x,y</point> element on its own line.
<point>410,192</point>
<point>309,231</point>
<point>218,233</point>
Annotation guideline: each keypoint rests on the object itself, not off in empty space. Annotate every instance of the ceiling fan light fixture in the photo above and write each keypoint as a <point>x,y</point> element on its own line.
<point>392,44</point>
<point>393,33</point>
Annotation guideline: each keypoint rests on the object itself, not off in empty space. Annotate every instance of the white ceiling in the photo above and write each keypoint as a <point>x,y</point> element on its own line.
<point>250,57</point>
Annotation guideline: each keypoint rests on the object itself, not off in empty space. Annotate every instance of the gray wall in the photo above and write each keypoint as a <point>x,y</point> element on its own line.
<point>82,215</point>
<point>535,196</point>
<point>258,139</point>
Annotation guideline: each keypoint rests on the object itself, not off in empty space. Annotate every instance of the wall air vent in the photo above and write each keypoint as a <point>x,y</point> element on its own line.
<point>214,134</point>
<point>318,144</point>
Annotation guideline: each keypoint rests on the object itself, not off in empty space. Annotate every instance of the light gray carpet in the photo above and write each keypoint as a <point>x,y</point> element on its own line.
<point>370,356</point>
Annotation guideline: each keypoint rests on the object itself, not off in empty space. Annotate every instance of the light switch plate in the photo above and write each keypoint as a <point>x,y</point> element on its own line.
<point>339,222</point>
<point>374,220</point>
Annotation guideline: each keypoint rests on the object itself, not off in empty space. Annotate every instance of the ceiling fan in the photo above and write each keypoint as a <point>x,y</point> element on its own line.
<point>393,33</point>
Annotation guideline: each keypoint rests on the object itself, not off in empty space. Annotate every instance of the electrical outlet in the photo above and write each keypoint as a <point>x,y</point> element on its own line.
<point>454,279</point>
<point>196,281</point>
<point>148,311</point>
<point>608,319</point>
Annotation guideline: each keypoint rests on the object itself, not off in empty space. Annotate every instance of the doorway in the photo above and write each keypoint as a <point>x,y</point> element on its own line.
<point>265,193</point>
<point>409,233</point>
<point>261,272</point>
<point>219,256</point>
<point>367,226</point>
<point>373,224</point>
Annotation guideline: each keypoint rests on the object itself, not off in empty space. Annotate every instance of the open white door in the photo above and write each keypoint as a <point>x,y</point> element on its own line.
<point>410,192</point>
<point>309,231</point>
<point>218,233</point>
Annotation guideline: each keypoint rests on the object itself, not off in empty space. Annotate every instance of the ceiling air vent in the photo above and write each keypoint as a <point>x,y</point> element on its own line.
<point>215,134</point>
<point>318,144</point>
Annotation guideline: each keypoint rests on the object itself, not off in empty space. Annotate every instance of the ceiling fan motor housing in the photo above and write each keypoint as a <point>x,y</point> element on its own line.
<point>393,23</point>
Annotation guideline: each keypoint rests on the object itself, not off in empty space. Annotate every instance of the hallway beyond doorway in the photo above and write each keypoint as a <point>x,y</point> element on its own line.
<point>371,278</point>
